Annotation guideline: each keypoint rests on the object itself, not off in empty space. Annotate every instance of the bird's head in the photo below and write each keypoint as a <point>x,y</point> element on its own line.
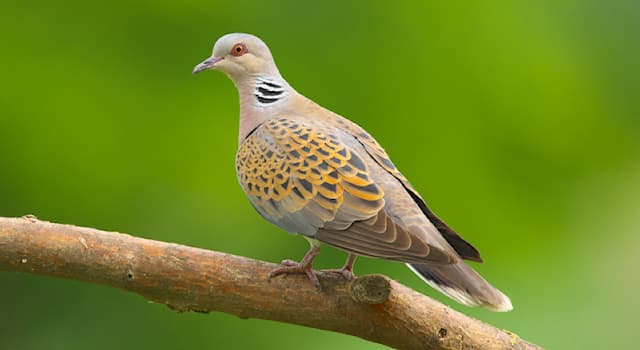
<point>239,55</point>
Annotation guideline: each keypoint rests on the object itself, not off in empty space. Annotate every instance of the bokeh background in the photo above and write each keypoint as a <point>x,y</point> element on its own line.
<point>518,121</point>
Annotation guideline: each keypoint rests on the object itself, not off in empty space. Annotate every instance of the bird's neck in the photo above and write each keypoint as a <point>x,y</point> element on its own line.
<point>261,97</point>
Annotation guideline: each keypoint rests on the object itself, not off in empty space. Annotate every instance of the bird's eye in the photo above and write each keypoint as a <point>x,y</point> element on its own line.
<point>238,50</point>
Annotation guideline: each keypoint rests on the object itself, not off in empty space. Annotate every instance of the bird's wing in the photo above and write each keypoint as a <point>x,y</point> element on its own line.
<point>464,249</point>
<point>307,179</point>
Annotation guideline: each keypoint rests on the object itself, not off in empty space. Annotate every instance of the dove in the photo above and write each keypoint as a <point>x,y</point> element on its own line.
<point>314,173</point>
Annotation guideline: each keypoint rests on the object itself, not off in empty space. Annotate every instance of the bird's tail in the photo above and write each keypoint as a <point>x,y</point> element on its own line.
<point>462,284</point>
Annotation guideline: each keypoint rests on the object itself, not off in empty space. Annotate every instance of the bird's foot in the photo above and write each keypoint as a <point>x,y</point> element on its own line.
<point>289,263</point>
<point>345,272</point>
<point>347,269</point>
<point>290,266</point>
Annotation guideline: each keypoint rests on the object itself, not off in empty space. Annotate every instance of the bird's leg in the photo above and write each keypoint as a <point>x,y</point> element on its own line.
<point>347,269</point>
<point>304,266</point>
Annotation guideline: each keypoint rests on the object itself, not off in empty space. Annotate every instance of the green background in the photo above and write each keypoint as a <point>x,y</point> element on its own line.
<point>519,122</point>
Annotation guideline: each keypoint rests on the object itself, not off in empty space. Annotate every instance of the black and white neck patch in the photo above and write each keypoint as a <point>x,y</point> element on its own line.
<point>268,91</point>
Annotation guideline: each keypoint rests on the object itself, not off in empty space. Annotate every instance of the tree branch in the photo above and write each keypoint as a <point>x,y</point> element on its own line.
<point>191,279</point>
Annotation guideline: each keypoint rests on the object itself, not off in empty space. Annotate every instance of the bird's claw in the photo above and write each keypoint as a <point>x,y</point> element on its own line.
<point>346,273</point>
<point>289,266</point>
<point>289,263</point>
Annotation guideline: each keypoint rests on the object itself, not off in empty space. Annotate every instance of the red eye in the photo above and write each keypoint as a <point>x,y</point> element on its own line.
<point>238,50</point>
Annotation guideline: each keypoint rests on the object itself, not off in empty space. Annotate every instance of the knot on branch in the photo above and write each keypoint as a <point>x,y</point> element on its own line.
<point>370,289</point>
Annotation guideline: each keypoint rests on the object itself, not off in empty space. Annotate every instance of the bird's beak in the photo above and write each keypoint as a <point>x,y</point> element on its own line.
<point>209,63</point>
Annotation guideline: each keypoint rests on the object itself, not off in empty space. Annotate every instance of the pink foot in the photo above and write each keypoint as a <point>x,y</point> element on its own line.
<point>346,273</point>
<point>289,266</point>
<point>347,269</point>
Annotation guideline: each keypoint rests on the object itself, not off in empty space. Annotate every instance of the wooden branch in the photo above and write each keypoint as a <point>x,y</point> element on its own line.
<point>191,279</point>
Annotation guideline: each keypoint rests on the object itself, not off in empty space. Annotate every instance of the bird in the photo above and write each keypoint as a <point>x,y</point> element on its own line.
<point>314,173</point>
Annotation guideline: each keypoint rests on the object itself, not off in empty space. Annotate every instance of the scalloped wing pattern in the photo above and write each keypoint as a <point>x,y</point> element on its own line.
<point>302,178</point>
<point>321,182</point>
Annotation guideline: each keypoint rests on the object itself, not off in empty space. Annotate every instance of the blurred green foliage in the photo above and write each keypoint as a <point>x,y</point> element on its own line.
<point>518,121</point>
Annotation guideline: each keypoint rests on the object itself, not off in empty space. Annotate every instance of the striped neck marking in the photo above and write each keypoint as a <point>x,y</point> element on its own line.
<point>268,91</point>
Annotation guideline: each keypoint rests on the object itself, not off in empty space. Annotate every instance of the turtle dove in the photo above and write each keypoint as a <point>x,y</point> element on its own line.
<point>315,173</point>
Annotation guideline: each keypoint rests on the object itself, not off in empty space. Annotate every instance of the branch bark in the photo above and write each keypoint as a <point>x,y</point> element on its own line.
<point>191,279</point>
